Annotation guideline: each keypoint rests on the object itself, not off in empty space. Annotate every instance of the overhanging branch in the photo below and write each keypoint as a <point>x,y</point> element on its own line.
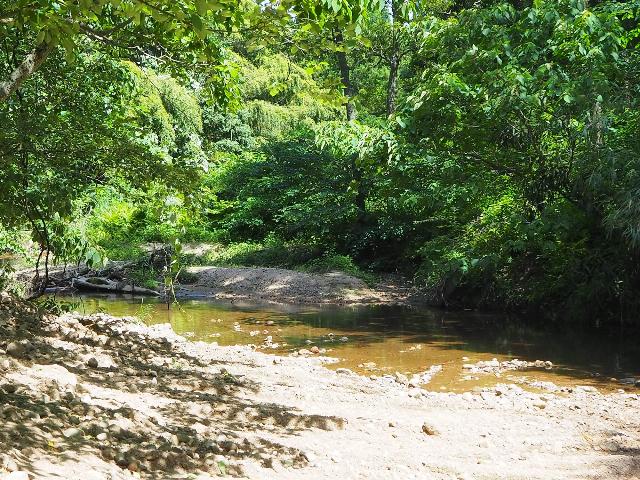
<point>29,65</point>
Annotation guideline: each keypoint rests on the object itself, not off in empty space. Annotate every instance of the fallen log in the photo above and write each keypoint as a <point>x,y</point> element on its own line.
<point>102,284</point>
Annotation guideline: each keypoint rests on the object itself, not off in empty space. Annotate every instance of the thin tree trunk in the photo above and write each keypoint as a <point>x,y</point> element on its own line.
<point>345,71</point>
<point>392,85</point>
<point>361,195</point>
<point>29,65</point>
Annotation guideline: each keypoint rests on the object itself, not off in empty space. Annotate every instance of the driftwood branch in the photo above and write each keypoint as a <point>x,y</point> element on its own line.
<point>105,285</point>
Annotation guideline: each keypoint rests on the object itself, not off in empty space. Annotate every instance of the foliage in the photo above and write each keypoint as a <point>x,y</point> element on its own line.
<point>183,36</point>
<point>290,188</point>
<point>541,98</point>
<point>495,156</point>
<point>272,252</point>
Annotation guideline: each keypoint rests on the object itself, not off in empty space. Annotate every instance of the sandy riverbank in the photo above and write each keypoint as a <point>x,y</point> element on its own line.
<point>289,286</point>
<point>98,397</point>
<point>255,284</point>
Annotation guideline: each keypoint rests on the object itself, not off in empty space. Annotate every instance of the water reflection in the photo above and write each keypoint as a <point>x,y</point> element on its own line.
<point>397,339</point>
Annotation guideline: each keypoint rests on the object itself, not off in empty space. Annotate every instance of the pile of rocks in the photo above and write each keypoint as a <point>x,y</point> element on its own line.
<point>307,352</point>
<point>496,367</point>
<point>111,389</point>
<point>413,381</point>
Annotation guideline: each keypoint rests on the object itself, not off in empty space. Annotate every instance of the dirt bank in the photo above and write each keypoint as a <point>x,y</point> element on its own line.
<point>257,284</point>
<point>98,397</point>
<point>289,286</point>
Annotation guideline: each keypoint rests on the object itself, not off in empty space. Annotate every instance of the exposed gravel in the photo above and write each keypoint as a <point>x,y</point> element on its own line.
<point>95,397</point>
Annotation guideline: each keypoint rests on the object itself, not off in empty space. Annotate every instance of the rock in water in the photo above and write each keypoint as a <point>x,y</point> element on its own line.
<point>344,371</point>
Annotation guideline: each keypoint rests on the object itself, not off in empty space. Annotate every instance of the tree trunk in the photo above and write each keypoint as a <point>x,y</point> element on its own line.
<point>394,58</point>
<point>343,65</point>
<point>29,65</point>
<point>361,194</point>
<point>392,85</point>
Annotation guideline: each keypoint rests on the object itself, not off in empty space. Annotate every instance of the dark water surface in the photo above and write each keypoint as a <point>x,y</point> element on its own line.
<point>400,339</point>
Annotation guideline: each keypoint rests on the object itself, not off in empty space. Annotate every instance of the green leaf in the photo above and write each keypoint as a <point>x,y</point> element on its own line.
<point>201,6</point>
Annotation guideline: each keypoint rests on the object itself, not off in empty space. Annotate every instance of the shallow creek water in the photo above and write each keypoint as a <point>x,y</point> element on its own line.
<point>397,339</point>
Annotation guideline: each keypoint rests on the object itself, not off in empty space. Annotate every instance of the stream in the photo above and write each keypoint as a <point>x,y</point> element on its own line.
<point>378,340</point>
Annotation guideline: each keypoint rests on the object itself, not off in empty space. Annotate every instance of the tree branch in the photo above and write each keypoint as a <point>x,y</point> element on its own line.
<point>29,65</point>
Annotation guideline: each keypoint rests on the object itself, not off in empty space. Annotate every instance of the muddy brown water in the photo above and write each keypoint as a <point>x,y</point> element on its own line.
<point>397,339</point>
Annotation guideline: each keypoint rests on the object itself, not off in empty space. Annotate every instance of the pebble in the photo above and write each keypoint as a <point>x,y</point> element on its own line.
<point>344,371</point>
<point>10,387</point>
<point>72,433</point>
<point>92,362</point>
<point>101,436</point>
<point>121,460</point>
<point>428,429</point>
<point>401,378</point>
<point>16,350</point>
<point>314,349</point>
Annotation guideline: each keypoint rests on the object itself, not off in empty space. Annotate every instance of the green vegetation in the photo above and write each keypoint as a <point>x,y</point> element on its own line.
<point>488,150</point>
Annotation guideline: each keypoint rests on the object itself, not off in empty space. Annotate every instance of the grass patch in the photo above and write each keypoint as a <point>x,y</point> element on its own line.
<point>341,263</point>
<point>261,255</point>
